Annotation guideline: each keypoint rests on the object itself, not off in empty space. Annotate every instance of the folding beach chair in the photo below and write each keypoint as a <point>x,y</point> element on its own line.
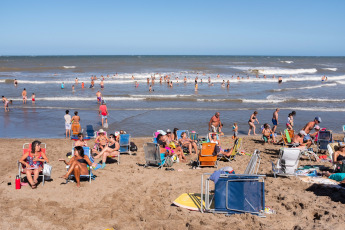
<point>90,132</point>
<point>344,132</point>
<point>287,163</point>
<point>96,146</point>
<point>287,137</point>
<point>207,156</point>
<point>234,151</point>
<point>179,132</point>
<point>153,155</point>
<point>234,194</point>
<point>324,138</point>
<point>254,164</point>
<point>21,167</point>
<point>89,176</point>
<point>125,143</point>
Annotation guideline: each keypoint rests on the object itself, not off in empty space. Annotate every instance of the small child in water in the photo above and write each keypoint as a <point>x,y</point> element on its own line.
<point>235,130</point>
<point>33,98</point>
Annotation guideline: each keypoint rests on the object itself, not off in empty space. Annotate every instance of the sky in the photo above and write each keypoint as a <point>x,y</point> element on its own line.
<point>245,27</point>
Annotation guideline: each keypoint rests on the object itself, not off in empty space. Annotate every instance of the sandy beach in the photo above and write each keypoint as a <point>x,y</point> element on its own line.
<point>128,196</point>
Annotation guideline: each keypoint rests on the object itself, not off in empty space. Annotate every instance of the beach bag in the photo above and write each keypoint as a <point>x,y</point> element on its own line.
<point>133,147</point>
<point>47,169</point>
<point>168,162</point>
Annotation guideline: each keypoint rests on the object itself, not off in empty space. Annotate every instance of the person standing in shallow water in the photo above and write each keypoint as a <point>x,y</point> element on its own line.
<point>275,120</point>
<point>251,121</point>
<point>24,95</point>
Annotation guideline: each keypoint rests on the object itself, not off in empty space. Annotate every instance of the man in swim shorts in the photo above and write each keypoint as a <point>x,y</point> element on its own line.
<point>99,97</point>
<point>24,96</point>
<point>102,84</point>
<point>275,120</point>
<point>5,101</point>
<point>214,123</point>
<point>104,112</point>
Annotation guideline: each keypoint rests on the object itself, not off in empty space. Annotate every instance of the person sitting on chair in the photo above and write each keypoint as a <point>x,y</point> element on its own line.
<point>339,155</point>
<point>267,133</point>
<point>78,164</point>
<point>186,142</point>
<point>33,161</point>
<point>80,141</point>
<point>218,150</point>
<point>298,140</point>
<point>101,140</point>
<point>110,150</point>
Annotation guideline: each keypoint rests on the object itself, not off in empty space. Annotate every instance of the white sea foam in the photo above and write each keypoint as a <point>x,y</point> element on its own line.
<point>306,87</point>
<point>289,62</point>
<point>275,70</point>
<point>84,99</point>
<point>68,67</point>
<point>331,69</point>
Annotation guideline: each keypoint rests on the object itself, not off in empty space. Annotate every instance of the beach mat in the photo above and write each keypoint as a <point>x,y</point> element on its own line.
<point>190,201</point>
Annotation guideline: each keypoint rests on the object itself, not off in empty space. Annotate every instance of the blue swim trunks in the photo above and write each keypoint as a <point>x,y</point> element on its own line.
<point>274,121</point>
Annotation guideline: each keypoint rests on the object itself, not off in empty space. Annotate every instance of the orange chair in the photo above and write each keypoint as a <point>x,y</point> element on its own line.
<point>206,155</point>
<point>21,167</point>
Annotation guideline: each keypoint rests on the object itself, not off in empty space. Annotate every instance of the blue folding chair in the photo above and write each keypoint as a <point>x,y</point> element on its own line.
<point>90,132</point>
<point>234,194</point>
<point>125,143</point>
<point>179,132</point>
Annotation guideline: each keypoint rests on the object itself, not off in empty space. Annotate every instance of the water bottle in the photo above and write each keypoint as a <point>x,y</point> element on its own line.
<point>18,186</point>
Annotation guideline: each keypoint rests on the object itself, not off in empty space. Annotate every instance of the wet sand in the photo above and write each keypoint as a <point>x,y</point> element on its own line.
<point>128,196</point>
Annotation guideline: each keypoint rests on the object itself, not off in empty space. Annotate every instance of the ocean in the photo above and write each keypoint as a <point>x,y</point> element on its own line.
<point>140,112</point>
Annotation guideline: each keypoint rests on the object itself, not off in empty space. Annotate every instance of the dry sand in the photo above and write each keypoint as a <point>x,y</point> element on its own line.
<point>127,196</point>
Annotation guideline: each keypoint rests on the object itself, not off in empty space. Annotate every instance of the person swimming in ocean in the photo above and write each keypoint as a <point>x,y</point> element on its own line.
<point>280,79</point>
<point>62,85</point>
<point>15,82</point>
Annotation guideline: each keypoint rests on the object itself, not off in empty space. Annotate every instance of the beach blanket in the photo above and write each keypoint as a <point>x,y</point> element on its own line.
<point>321,181</point>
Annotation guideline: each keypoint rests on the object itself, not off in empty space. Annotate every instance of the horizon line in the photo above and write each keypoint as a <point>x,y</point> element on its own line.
<point>215,55</point>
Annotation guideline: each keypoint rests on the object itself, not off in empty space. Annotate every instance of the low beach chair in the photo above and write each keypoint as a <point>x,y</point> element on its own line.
<point>234,151</point>
<point>153,155</point>
<point>207,156</point>
<point>324,138</point>
<point>90,176</point>
<point>21,167</point>
<point>287,163</point>
<point>254,164</point>
<point>234,194</point>
<point>90,132</point>
<point>125,143</point>
<point>287,137</point>
<point>331,147</point>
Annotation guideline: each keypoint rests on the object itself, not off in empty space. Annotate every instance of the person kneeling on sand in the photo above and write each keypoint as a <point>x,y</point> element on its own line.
<point>78,164</point>
<point>111,150</point>
<point>267,133</point>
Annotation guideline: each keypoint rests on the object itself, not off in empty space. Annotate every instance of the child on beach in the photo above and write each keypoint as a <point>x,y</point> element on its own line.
<point>235,130</point>
<point>267,133</point>
<point>33,98</point>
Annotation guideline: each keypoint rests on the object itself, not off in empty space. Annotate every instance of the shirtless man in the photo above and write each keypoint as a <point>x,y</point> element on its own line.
<point>99,97</point>
<point>76,81</point>
<point>298,139</point>
<point>280,79</point>
<point>15,82</point>
<point>275,120</point>
<point>102,84</point>
<point>310,125</point>
<point>214,123</point>
<point>5,101</point>
<point>24,96</point>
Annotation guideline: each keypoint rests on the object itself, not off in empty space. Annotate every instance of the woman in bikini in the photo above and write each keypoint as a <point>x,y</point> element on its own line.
<point>80,142</point>
<point>33,161</point>
<point>78,164</point>
<point>101,140</point>
<point>251,121</point>
<point>111,150</point>
<point>186,142</point>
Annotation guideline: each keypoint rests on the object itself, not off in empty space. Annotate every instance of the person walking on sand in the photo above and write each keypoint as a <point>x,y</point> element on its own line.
<point>275,120</point>
<point>99,97</point>
<point>214,123</point>
<point>5,101</point>
<point>68,124</point>
<point>251,121</point>
<point>24,95</point>
<point>104,112</point>
<point>33,96</point>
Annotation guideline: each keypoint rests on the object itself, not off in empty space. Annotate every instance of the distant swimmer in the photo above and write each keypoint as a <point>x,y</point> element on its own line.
<point>209,80</point>
<point>62,85</point>
<point>136,84</point>
<point>185,79</point>
<point>5,101</point>
<point>102,84</point>
<point>132,77</point>
<point>150,89</point>
<point>99,97</point>
<point>92,84</point>
<point>148,80</point>
<point>218,76</point>
<point>201,81</point>
<point>280,79</point>
<point>223,83</point>
<point>273,77</point>
<point>24,96</point>
<point>160,80</point>
<point>323,78</point>
<point>228,84</point>
<point>238,77</point>
<point>73,88</point>
<point>82,85</point>
<point>265,76</point>
<point>196,87</point>
<point>15,82</point>
<point>33,98</point>
<point>76,81</point>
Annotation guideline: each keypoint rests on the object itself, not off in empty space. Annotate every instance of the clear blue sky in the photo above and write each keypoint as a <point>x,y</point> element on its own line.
<point>241,27</point>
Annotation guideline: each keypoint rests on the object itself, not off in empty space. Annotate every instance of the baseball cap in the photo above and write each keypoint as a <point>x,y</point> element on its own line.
<point>168,131</point>
<point>302,132</point>
<point>318,119</point>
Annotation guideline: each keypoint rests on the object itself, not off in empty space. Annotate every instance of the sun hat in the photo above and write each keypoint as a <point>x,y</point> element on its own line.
<point>168,131</point>
<point>101,131</point>
<point>302,132</point>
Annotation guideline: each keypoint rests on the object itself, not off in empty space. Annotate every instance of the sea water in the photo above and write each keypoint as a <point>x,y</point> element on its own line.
<point>141,112</point>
